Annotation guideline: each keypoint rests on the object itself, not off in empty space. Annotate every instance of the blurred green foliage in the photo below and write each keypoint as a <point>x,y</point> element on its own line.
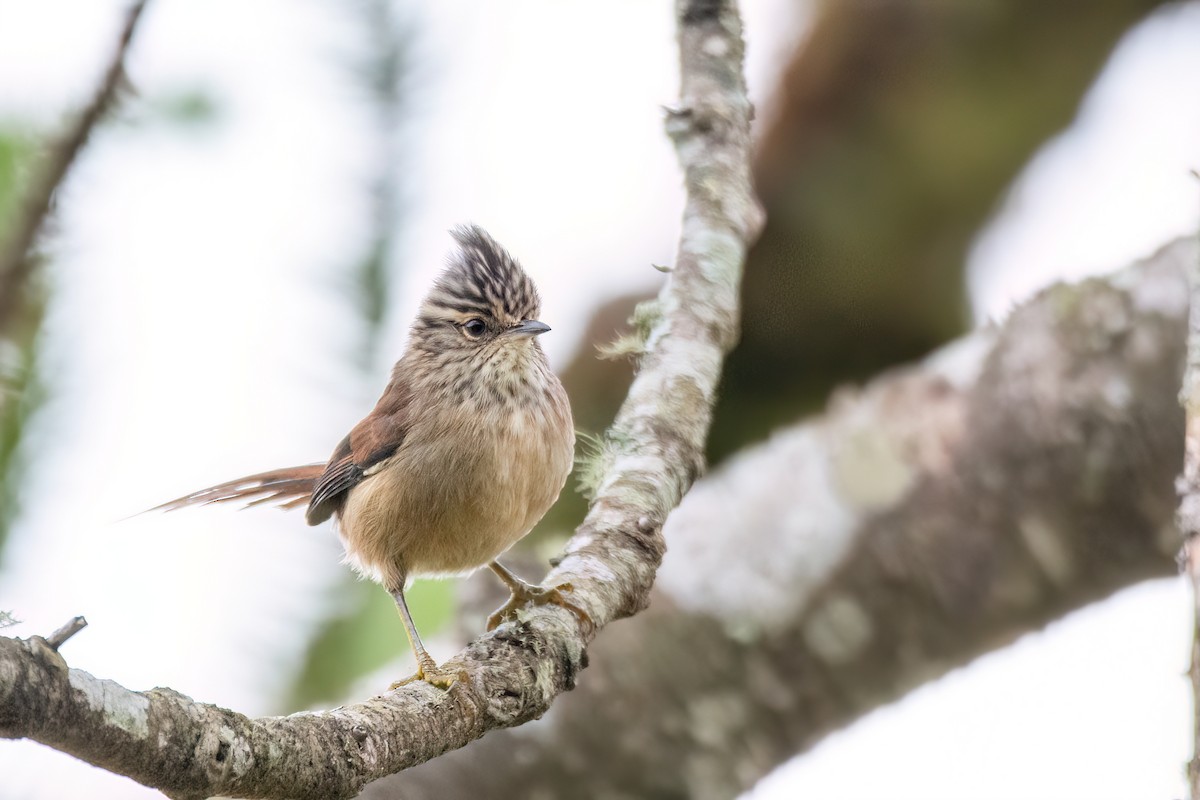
<point>15,150</point>
<point>365,637</point>
<point>22,392</point>
<point>21,388</point>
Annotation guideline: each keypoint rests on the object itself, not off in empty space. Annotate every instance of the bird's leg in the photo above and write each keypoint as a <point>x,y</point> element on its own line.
<point>525,594</point>
<point>427,668</point>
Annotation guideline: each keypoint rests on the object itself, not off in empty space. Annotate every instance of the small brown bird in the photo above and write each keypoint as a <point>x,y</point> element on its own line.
<point>468,447</point>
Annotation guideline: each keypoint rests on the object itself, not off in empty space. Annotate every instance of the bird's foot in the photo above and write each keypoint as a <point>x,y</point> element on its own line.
<point>430,672</point>
<point>525,594</point>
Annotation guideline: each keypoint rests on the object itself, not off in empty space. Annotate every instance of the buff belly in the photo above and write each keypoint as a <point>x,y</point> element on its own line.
<point>459,510</point>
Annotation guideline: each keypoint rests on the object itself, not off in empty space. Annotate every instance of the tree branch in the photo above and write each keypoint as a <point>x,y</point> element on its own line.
<point>655,450</point>
<point>16,263</point>
<point>1188,516</point>
<point>936,514</point>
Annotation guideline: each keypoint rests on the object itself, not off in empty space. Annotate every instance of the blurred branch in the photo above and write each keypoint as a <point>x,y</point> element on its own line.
<point>193,750</point>
<point>1188,517</point>
<point>23,300</point>
<point>893,135</point>
<point>937,514</point>
<point>16,263</point>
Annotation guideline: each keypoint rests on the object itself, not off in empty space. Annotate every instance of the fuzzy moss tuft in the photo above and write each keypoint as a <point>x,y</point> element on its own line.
<point>593,458</point>
<point>646,315</point>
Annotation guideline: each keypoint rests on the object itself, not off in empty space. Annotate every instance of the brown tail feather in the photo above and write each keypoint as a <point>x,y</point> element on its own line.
<point>289,487</point>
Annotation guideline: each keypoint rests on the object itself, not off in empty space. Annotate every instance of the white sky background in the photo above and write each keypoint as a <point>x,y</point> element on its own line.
<point>200,334</point>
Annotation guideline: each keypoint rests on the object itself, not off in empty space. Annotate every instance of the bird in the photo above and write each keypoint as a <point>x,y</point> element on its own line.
<point>468,447</point>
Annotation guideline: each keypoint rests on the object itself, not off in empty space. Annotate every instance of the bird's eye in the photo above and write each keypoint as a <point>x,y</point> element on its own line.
<point>474,328</point>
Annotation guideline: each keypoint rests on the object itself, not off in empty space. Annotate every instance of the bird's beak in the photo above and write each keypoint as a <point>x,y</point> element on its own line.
<point>530,327</point>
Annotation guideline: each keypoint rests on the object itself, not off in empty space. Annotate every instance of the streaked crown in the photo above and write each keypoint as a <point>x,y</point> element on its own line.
<point>474,340</point>
<point>482,280</point>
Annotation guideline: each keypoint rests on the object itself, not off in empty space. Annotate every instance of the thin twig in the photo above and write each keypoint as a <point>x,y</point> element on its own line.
<point>16,264</point>
<point>60,636</point>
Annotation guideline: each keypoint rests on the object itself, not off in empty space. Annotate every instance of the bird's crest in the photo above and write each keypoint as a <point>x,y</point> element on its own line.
<point>482,278</point>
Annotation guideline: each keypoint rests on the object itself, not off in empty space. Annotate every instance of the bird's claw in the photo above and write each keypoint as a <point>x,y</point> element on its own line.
<point>524,595</point>
<point>431,673</point>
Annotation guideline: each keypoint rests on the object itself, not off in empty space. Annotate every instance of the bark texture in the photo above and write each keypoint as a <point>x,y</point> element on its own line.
<point>1189,505</point>
<point>652,454</point>
<point>935,515</point>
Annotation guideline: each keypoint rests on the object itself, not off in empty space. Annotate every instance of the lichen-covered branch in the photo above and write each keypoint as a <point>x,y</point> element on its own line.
<point>936,514</point>
<point>655,450</point>
<point>1189,501</point>
<point>16,265</point>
